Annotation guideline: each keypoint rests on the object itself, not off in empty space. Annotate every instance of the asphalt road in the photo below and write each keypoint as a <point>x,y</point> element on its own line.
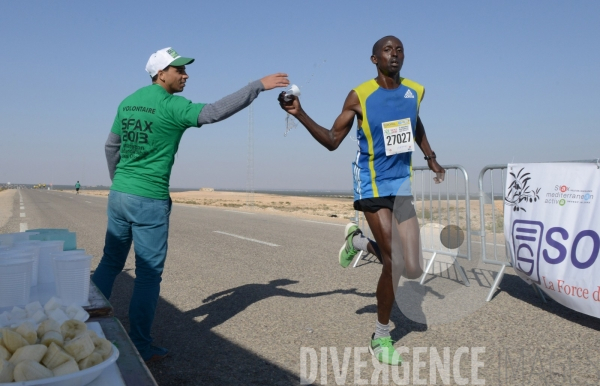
<point>245,297</point>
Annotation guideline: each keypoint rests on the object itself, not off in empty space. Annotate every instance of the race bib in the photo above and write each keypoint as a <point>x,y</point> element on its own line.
<point>398,137</point>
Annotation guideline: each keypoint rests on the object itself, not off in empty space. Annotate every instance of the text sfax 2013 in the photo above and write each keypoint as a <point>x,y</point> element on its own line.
<point>134,131</point>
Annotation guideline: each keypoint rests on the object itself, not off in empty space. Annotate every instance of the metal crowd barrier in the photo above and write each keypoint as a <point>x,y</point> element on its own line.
<point>437,204</point>
<point>497,253</point>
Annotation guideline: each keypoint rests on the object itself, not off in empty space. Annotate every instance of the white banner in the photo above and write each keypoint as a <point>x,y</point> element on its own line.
<point>552,228</point>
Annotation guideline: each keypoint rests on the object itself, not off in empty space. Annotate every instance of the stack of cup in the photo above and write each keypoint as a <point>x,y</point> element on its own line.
<point>45,267</point>
<point>22,252</point>
<point>72,277</point>
<point>15,281</point>
<point>32,247</point>
<point>8,239</point>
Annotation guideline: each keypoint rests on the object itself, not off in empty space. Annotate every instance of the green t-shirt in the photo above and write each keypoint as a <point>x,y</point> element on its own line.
<point>77,185</point>
<point>150,123</point>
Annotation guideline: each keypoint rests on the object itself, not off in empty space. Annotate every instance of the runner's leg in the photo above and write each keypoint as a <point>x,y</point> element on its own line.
<point>410,248</point>
<point>380,223</point>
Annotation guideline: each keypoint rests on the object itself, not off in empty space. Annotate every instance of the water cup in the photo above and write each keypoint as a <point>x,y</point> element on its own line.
<point>45,267</point>
<point>293,90</point>
<point>27,252</point>
<point>10,238</point>
<point>32,246</point>
<point>15,281</point>
<point>72,278</point>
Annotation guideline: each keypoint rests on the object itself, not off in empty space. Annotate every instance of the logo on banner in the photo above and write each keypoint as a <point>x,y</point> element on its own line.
<point>519,192</point>
<point>527,242</point>
<point>564,194</point>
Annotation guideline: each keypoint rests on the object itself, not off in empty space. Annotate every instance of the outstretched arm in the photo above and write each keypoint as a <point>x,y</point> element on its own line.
<point>330,139</point>
<point>421,140</point>
<point>112,149</point>
<point>231,104</point>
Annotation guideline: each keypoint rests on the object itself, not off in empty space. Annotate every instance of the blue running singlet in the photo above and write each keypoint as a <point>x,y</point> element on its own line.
<point>375,173</point>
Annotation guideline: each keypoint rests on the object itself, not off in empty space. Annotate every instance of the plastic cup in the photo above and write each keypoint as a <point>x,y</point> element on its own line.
<point>10,238</point>
<point>34,247</point>
<point>15,281</point>
<point>72,278</point>
<point>25,251</point>
<point>293,90</point>
<point>45,267</point>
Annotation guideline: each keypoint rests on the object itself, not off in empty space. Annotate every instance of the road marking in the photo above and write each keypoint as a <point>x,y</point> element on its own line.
<point>22,214</point>
<point>238,211</point>
<point>23,227</point>
<point>88,202</point>
<point>246,238</point>
<point>326,223</point>
<point>22,208</point>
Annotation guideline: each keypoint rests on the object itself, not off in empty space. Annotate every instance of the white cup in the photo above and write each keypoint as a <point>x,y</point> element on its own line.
<point>45,270</point>
<point>15,281</point>
<point>293,90</point>
<point>72,278</point>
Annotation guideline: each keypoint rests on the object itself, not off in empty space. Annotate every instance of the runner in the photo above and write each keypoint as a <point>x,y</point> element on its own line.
<point>387,111</point>
<point>140,152</point>
<point>77,186</point>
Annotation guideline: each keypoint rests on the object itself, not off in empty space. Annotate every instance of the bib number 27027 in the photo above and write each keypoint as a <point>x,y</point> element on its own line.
<point>398,137</point>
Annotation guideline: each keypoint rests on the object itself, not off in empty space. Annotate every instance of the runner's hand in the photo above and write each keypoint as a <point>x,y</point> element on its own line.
<point>275,80</point>
<point>292,106</point>
<point>439,171</point>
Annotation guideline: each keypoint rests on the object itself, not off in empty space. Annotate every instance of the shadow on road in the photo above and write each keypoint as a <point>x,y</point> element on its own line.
<point>198,355</point>
<point>517,288</point>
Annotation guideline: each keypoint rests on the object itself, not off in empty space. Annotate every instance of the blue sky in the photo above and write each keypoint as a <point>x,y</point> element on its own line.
<point>505,81</point>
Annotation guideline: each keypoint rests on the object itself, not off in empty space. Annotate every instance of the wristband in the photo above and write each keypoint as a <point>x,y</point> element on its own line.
<point>431,156</point>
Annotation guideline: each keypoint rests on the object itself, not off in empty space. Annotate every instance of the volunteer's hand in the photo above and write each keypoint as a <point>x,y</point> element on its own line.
<point>275,80</point>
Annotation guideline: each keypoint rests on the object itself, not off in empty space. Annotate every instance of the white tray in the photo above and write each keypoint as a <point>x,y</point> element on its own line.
<point>109,374</point>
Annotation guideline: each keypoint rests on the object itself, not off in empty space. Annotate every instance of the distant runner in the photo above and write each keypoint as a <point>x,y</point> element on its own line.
<point>387,111</point>
<point>77,186</point>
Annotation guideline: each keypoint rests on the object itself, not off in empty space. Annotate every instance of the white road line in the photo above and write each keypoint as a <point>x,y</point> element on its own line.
<point>88,202</point>
<point>22,208</point>
<point>238,211</point>
<point>326,223</point>
<point>22,214</point>
<point>23,227</point>
<point>246,238</point>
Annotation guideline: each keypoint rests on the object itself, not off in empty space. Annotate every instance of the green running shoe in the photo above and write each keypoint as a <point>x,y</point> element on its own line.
<point>383,350</point>
<point>347,251</point>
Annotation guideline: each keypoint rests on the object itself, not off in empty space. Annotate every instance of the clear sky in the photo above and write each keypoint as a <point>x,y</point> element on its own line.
<point>506,81</point>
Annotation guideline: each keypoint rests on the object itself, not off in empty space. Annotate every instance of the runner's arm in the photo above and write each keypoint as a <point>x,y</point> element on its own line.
<point>421,140</point>
<point>231,104</point>
<point>330,139</point>
<point>112,149</point>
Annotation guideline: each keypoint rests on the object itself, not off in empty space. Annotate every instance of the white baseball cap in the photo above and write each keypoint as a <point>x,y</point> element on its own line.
<point>163,58</point>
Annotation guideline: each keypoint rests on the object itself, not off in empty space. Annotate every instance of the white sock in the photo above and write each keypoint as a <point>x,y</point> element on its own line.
<point>381,330</point>
<point>360,242</point>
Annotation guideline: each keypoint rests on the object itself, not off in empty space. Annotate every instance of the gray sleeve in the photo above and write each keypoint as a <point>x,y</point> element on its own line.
<point>231,104</point>
<point>112,149</point>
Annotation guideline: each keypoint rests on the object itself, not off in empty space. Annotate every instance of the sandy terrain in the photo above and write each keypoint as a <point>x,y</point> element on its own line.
<point>335,208</point>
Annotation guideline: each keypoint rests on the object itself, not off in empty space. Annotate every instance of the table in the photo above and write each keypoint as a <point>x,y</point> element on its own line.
<point>99,305</point>
<point>131,365</point>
